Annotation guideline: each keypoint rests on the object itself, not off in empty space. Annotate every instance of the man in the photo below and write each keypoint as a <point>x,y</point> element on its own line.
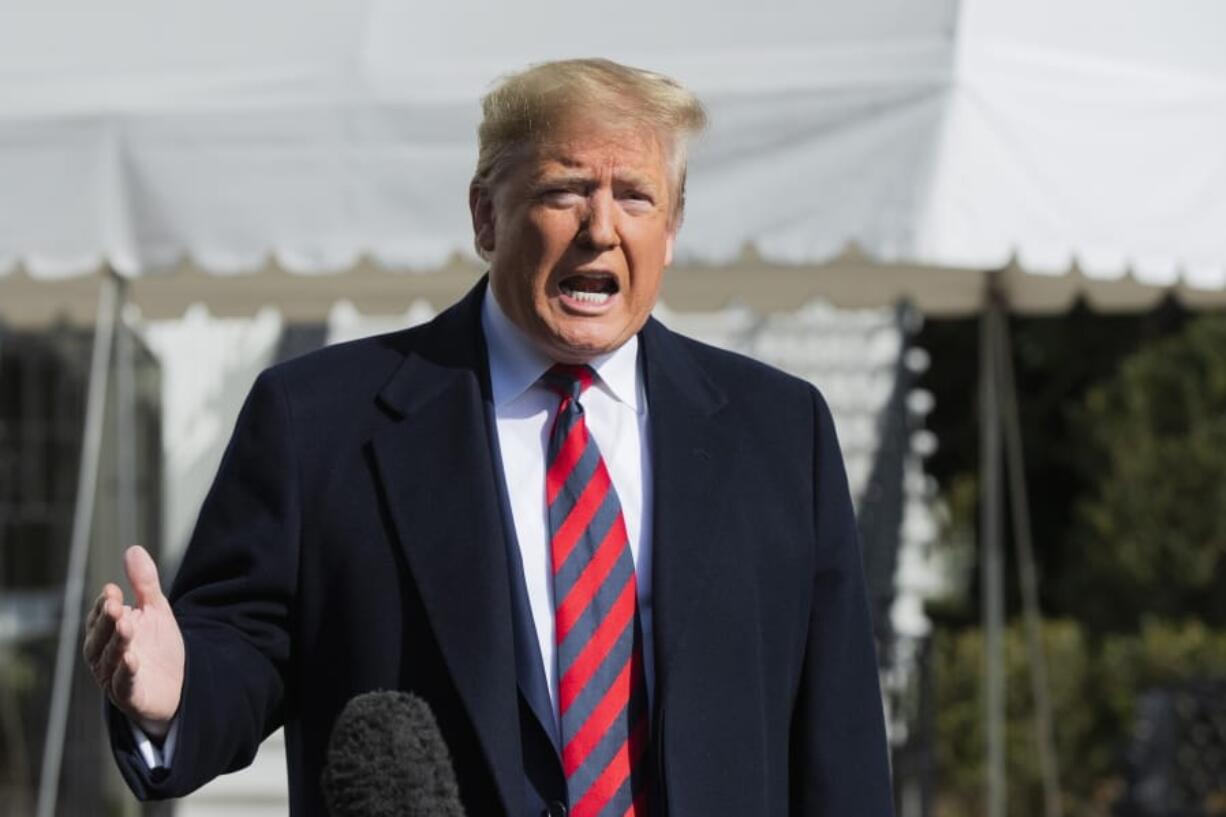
<point>621,566</point>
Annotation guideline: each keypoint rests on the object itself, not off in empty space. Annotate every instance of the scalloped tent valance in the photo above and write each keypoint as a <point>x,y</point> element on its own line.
<point>851,281</point>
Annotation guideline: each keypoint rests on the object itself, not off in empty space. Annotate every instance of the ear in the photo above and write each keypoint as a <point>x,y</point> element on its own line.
<point>481,207</point>
<point>668,246</point>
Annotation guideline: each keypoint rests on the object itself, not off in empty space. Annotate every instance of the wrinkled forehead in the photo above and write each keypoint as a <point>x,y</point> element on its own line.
<point>585,142</point>
<point>589,145</point>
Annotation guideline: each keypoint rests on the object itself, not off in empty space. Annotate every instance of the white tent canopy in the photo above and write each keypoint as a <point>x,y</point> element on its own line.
<point>930,136</point>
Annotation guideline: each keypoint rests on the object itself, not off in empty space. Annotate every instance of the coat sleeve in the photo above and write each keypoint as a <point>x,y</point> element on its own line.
<point>234,600</point>
<point>839,765</point>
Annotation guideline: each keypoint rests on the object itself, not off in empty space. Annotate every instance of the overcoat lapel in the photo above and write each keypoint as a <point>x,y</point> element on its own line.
<point>693,453</point>
<point>439,484</point>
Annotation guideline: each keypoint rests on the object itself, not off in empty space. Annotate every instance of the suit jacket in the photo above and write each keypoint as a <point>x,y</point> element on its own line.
<point>354,540</point>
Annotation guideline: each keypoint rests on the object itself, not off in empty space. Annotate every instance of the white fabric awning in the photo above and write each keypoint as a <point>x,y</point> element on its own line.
<point>1079,140</point>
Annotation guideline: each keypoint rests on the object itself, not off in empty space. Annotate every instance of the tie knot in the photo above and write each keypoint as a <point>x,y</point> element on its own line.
<point>569,380</point>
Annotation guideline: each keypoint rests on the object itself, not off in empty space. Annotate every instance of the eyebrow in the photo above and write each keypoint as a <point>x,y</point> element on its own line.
<point>578,179</point>
<point>547,178</point>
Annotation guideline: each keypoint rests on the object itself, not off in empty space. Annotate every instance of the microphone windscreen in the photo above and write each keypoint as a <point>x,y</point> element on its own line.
<point>387,758</point>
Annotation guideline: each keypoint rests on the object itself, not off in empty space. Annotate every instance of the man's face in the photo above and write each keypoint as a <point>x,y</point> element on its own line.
<point>579,235</point>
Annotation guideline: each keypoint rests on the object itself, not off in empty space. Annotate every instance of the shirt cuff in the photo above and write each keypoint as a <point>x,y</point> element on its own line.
<point>155,757</point>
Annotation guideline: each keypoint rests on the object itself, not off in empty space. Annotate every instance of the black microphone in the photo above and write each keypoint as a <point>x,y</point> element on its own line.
<point>387,758</point>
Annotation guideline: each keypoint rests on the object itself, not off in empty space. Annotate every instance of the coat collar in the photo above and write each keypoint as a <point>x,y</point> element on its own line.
<point>437,354</point>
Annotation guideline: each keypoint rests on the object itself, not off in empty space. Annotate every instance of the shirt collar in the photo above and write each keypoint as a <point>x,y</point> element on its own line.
<point>516,364</point>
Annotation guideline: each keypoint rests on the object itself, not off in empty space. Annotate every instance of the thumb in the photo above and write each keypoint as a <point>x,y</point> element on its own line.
<point>143,576</point>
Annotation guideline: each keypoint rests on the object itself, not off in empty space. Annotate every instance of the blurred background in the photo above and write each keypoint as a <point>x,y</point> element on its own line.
<point>993,234</point>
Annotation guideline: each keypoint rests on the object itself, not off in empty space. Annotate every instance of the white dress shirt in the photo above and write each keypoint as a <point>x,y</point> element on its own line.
<point>615,408</point>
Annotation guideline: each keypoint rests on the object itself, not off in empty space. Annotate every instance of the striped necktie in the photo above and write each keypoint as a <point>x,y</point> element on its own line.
<point>602,694</point>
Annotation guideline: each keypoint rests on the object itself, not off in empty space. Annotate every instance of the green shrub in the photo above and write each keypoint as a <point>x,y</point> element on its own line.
<point>1093,689</point>
<point>1151,539</point>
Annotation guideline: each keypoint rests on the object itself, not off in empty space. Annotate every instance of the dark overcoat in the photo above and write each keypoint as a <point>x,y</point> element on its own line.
<point>354,539</point>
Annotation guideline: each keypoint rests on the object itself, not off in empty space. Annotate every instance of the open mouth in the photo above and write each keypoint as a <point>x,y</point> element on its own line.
<point>589,287</point>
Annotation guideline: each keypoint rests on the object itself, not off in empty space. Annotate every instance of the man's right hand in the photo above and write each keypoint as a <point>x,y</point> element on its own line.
<point>136,652</point>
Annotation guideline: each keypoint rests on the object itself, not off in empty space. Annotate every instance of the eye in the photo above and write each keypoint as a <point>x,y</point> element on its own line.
<point>560,196</point>
<point>636,200</point>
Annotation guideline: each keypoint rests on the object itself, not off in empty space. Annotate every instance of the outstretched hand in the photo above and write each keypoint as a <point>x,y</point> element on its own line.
<point>136,652</point>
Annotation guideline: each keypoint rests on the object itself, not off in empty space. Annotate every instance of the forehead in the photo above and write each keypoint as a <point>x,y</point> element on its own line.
<point>587,147</point>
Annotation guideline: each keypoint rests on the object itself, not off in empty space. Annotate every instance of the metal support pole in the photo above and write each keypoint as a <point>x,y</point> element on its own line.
<point>82,523</point>
<point>991,556</point>
<point>1019,503</point>
<point>125,429</point>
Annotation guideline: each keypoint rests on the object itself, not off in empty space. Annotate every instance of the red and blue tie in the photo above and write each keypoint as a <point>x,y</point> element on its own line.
<point>602,692</point>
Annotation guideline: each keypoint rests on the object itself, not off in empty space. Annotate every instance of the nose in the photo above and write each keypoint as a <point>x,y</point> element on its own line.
<point>598,230</point>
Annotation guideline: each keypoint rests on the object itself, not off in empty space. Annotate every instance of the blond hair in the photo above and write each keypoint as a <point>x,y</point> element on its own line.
<point>526,108</point>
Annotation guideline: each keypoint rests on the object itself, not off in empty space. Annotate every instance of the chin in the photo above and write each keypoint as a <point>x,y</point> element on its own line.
<point>581,337</point>
<point>577,352</point>
<point>580,348</point>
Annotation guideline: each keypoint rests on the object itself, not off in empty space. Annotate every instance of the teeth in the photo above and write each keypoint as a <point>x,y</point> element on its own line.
<point>588,297</point>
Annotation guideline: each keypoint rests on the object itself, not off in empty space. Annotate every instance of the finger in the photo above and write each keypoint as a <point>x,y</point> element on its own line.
<point>95,609</point>
<point>104,669</point>
<point>96,639</point>
<point>143,576</point>
<point>125,624</point>
<point>98,631</point>
<point>123,680</point>
<point>109,590</point>
<point>119,646</point>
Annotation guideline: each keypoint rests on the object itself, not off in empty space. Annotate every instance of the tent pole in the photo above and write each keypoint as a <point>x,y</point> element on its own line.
<point>1019,504</point>
<point>991,562</point>
<point>82,524</point>
<point>125,427</point>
